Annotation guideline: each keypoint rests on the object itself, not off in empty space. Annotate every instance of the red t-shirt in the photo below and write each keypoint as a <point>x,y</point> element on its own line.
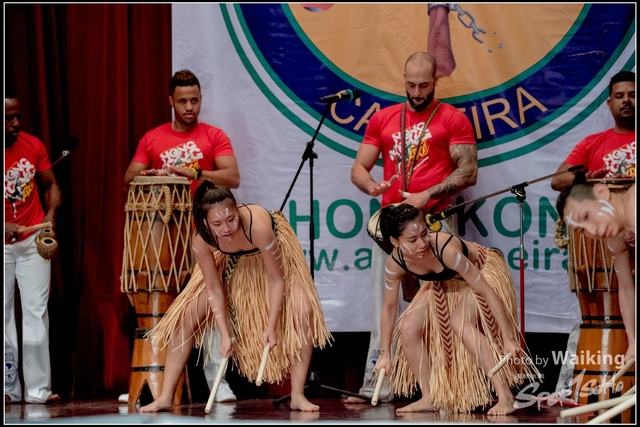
<point>163,146</point>
<point>22,161</point>
<point>433,163</point>
<point>614,151</point>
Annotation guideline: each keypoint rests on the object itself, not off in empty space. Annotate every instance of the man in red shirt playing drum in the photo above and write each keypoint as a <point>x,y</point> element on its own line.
<point>187,147</point>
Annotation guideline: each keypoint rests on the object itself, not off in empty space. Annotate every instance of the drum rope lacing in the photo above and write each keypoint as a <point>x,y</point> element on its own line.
<point>144,206</point>
<point>578,254</point>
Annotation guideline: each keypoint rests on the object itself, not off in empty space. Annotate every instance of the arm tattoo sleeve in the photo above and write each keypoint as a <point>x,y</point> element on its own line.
<point>465,174</point>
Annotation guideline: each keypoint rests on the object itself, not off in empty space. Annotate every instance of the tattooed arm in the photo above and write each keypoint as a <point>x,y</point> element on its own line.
<point>465,175</point>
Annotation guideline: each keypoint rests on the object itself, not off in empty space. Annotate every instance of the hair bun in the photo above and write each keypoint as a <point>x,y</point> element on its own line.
<point>580,178</point>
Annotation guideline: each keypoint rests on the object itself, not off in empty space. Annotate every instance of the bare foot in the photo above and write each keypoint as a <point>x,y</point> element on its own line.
<point>157,406</point>
<point>503,407</point>
<point>300,403</point>
<point>422,405</point>
<point>353,399</point>
<point>53,398</point>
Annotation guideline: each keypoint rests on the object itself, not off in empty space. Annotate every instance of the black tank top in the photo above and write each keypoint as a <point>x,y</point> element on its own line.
<point>254,250</point>
<point>446,273</point>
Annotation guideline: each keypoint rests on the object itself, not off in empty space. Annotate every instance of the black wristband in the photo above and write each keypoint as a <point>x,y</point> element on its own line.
<point>198,174</point>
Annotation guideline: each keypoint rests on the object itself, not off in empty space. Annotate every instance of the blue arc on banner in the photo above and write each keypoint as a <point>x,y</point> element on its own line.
<point>571,70</point>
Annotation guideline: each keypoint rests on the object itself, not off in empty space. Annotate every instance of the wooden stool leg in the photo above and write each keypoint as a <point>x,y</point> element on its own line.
<point>136,382</point>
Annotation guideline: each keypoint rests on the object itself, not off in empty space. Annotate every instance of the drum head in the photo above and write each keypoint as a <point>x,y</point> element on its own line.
<point>614,183</point>
<point>160,179</point>
<point>373,227</point>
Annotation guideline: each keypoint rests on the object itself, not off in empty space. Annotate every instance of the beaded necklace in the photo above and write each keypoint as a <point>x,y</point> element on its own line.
<point>412,163</point>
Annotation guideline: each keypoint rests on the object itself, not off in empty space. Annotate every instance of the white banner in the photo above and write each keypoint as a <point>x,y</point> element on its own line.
<point>262,69</point>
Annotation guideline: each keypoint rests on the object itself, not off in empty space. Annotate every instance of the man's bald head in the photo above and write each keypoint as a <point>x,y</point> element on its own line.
<point>421,60</point>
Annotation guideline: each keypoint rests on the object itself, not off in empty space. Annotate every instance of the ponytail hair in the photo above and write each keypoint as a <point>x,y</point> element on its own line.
<point>579,190</point>
<point>208,194</point>
<point>394,219</point>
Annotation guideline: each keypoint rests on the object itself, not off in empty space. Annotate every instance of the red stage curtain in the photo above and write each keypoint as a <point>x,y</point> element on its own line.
<point>98,72</point>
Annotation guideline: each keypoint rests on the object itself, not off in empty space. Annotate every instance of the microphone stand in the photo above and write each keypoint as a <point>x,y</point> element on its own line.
<point>520,193</point>
<point>65,153</point>
<point>310,155</point>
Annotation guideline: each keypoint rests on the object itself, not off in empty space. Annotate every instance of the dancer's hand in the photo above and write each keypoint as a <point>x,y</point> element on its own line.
<point>510,346</point>
<point>269,337</point>
<point>384,361</point>
<point>227,346</point>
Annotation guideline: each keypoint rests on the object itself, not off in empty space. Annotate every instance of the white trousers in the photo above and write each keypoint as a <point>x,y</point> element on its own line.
<point>565,378</point>
<point>378,261</point>
<point>212,352</point>
<point>23,264</point>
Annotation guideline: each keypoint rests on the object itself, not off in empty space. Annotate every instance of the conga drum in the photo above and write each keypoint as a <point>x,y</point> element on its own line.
<point>602,342</point>
<point>157,264</point>
<point>373,230</point>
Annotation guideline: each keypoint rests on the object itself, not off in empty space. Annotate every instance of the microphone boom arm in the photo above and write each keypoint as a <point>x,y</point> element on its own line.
<point>516,189</point>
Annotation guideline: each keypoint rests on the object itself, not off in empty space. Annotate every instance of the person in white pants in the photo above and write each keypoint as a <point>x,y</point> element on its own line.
<point>25,159</point>
<point>22,262</point>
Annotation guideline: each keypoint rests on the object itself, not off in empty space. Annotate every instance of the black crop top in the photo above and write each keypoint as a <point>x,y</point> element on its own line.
<point>254,250</point>
<point>446,273</point>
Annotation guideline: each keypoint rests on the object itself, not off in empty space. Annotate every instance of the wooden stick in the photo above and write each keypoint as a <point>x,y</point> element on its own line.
<point>595,406</point>
<point>35,227</point>
<point>499,366</point>
<point>216,384</point>
<point>622,370</point>
<point>263,363</point>
<point>606,416</point>
<point>376,393</point>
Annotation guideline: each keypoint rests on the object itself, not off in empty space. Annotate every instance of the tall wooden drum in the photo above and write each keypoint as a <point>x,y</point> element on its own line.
<point>602,342</point>
<point>156,265</point>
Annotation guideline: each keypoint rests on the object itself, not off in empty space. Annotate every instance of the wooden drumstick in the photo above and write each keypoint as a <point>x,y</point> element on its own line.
<point>629,401</point>
<point>376,393</point>
<point>263,363</point>
<point>35,227</point>
<point>216,384</point>
<point>499,366</point>
<point>595,406</point>
<point>622,370</point>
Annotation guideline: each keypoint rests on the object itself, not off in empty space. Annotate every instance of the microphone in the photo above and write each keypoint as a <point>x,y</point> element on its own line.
<point>439,216</point>
<point>343,95</point>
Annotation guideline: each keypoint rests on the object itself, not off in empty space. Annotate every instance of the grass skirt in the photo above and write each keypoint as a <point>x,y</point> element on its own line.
<point>457,382</point>
<point>246,285</point>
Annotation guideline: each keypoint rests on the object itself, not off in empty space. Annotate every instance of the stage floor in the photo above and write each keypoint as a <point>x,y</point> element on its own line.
<point>262,411</point>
